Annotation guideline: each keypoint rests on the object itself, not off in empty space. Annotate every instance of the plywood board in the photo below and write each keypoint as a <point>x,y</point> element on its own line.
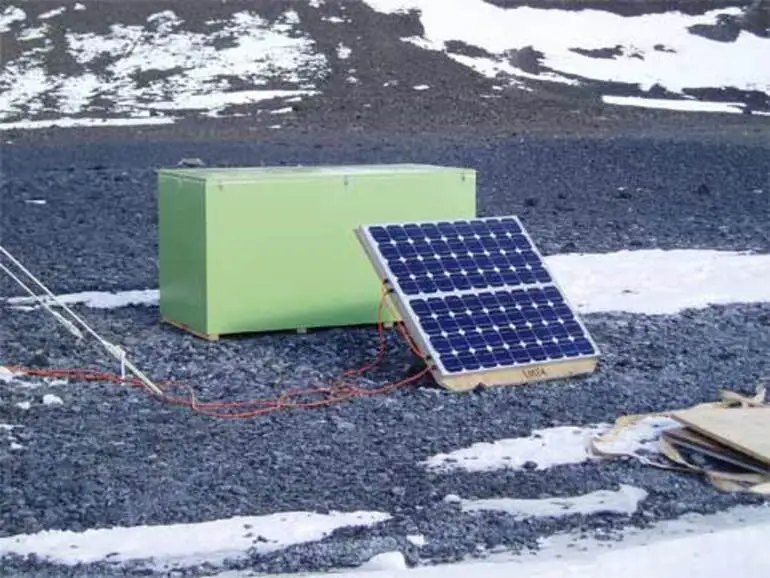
<point>746,430</point>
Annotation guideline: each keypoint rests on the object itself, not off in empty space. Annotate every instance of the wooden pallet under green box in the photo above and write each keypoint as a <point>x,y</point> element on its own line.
<point>273,248</point>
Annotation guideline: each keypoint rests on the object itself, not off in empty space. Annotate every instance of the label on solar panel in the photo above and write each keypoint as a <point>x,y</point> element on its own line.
<point>479,294</point>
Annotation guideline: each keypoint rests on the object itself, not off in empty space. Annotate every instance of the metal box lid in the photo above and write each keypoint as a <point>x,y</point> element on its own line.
<point>270,173</point>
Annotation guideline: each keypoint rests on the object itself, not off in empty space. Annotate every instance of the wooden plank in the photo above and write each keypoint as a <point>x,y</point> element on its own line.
<point>746,430</point>
<point>183,327</point>
<point>511,376</point>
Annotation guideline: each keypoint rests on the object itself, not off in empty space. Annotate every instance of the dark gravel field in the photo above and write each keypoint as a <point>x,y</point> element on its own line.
<point>97,230</point>
<point>111,456</point>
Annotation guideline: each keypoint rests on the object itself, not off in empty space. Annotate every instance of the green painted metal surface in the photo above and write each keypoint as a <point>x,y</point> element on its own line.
<point>271,248</point>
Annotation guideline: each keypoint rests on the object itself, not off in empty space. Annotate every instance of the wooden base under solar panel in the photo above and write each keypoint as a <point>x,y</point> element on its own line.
<point>517,376</point>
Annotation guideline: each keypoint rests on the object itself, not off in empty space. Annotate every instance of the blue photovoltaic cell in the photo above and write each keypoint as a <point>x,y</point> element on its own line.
<point>480,293</point>
<point>494,329</point>
<point>444,257</point>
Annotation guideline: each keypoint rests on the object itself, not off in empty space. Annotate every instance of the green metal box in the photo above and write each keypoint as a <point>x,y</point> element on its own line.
<point>271,248</point>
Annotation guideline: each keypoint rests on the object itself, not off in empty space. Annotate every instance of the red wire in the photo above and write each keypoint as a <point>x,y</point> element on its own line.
<point>336,392</point>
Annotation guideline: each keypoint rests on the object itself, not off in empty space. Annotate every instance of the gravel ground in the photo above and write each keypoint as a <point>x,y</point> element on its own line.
<point>109,456</point>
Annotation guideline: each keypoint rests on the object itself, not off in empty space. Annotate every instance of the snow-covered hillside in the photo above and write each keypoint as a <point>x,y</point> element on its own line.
<point>92,64</point>
<point>667,54</point>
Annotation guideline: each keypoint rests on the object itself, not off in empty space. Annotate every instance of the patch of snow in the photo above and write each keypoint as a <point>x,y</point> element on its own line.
<point>214,103</point>
<point>167,19</point>
<point>78,7</point>
<point>53,13</point>
<point>689,105</point>
<point>36,201</point>
<point>15,446</point>
<point>625,501</point>
<point>186,544</point>
<point>417,539</point>
<point>51,399</point>
<point>551,447</point>
<point>75,92</point>
<point>544,449</point>
<point>25,405</point>
<point>291,17</point>
<point>98,299</point>
<point>285,110</point>
<point>334,19</point>
<point>343,52</point>
<point>730,542</point>
<point>421,87</point>
<point>138,68</point>
<point>649,49</point>
<point>33,33</point>
<point>387,561</point>
<point>661,282</point>
<point>647,282</point>
<point>83,122</point>
<point>10,15</point>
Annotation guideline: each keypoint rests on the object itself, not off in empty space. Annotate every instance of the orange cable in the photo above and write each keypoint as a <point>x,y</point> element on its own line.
<point>337,392</point>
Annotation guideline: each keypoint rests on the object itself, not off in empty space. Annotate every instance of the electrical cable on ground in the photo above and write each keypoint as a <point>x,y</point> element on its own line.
<point>312,397</point>
<point>114,350</point>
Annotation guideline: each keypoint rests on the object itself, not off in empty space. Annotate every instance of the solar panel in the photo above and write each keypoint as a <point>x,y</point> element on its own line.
<point>478,298</point>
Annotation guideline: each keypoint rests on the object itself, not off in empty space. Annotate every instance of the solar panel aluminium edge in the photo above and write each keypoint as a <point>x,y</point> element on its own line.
<point>385,273</point>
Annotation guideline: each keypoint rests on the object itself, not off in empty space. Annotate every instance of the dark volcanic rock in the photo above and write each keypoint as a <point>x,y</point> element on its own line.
<point>754,20</point>
<point>625,7</point>
<point>600,52</point>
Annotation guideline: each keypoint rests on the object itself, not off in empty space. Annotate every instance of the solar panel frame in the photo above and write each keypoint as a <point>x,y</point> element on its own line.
<point>411,319</point>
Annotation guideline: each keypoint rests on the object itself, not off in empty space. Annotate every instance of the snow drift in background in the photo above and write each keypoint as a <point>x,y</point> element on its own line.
<point>152,71</point>
<point>570,46</point>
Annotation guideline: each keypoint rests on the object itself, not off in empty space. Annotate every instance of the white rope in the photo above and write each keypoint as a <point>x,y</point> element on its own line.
<point>114,350</point>
<point>66,322</point>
